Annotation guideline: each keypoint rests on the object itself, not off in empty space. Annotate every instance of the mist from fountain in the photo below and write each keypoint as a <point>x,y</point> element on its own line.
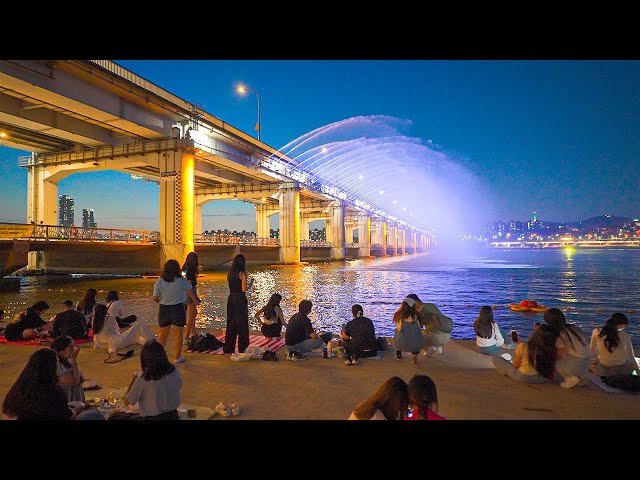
<point>374,161</point>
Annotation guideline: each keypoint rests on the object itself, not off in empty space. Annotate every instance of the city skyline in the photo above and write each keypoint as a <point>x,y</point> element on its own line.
<point>557,136</point>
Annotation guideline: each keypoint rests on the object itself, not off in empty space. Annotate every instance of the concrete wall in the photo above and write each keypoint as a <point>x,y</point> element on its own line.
<point>217,257</point>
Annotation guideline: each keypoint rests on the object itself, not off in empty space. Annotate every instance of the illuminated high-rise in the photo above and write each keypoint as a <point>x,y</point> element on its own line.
<point>87,218</point>
<point>65,210</point>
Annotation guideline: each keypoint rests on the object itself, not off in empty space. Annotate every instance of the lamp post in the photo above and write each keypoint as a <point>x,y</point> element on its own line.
<point>242,90</point>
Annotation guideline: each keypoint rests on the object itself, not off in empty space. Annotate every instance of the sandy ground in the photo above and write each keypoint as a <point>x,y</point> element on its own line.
<point>469,387</point>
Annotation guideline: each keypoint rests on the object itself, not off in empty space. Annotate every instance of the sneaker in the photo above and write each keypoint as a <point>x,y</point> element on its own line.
<point>354,361</point>
<point>439,350</point>
<point>235,409</point>
<point>430,351</point>
<point>223,409</point>
<point>178,360</point>
<point>296,356</point>
<point>570,382</point>
<point>348,362</point>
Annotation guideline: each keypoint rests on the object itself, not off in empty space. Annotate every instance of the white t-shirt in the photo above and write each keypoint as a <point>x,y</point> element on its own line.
<point>580,350</point>
<point>172,293</point>
<point>115,308</point>
<point>156,396</point>
<point>621,355</point>
<point>496,338</point>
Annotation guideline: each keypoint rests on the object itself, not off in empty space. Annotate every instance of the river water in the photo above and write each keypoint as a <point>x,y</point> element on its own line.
<point>588,285</point>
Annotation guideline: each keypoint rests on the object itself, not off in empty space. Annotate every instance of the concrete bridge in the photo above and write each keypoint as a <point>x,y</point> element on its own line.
<point>86,115</point>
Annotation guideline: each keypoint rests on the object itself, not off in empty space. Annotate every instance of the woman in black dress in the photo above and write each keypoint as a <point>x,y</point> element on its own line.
<point>237,307</point>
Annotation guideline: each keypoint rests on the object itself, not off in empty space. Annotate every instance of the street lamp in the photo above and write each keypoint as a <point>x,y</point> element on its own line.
<point>242,90</point>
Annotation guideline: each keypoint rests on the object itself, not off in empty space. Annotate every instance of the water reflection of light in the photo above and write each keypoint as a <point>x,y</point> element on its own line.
<point>567,286</point>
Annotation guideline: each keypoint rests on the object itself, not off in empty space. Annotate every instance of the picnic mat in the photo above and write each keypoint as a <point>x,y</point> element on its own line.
<point>608,388</point>
<point>272,344</point>
<point>40,342</point>
<point>377,357</point>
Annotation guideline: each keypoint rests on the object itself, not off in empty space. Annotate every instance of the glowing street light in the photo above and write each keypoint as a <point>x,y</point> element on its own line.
<point>242,90</point>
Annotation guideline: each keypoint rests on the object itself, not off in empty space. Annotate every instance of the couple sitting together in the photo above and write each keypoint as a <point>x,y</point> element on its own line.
<point>358,335</point>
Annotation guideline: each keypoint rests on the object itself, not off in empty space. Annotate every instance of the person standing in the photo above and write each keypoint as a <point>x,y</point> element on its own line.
<point>170,291</point>
<point>358,337</point>
<point>191,270</point>
<point>237,307</point>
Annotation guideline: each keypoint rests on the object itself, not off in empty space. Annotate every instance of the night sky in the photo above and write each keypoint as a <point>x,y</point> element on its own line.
<point>561,137</point>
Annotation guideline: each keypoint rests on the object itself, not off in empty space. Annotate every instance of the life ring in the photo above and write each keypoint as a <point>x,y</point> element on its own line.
<point>516,307</point>
<point>540,308</point>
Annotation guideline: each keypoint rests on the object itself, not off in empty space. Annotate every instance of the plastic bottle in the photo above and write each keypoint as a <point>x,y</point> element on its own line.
<point>324,351</point>
<point>329,349</point>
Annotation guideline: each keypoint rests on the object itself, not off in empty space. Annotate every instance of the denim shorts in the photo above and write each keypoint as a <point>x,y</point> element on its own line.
<point>172,315</point>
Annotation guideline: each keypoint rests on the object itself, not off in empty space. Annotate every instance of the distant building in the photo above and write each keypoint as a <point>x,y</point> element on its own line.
<point>65,210</point>
<point>87,218</point>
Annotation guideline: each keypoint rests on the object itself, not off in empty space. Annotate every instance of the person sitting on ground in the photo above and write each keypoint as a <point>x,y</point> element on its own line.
<point>271,317</point>
<point>437,326</point>
<point>389,402</point>
<point>572,346</point>
<point>358,337</point>
<point>300,336</point>
<point>408,334</point>
<point>423,399</point>
<point>157,388</point>
<point>69,322</point>
<point>28,324</point>
<point>611,349</point>
<point>106,333</point>
<point>69,375</point>
<point>489,337</point>
<point>87,305</point>
<point>534,361</point>
<point>37,395</point>
<point>114,308</point>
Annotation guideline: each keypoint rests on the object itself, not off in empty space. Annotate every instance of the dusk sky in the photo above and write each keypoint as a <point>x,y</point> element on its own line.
<point>560,137</point>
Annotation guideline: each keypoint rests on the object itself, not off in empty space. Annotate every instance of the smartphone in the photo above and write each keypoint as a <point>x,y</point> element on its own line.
<point>514,336</point>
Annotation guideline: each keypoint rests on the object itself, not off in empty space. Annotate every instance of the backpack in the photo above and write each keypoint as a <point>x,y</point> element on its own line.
<point>203,342</point>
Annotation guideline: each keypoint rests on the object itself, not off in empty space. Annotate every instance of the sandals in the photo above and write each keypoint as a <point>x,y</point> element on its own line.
<point>227,409</point>
<point>118,357</point>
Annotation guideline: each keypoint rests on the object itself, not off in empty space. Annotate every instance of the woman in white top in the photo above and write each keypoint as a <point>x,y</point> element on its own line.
<point>171,291</point>
<point>612,350</point>
<point>156,389</point>
<point>389,402</point>
<point>106,333</point>
<point>115,309</point>
<point>572,348</point>
<point>489,337</point>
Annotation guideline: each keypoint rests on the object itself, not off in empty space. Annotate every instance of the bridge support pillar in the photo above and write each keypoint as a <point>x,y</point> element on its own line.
<point>42,207</point>
<point>402,240</point>
<point>177,212</point>
<point>304,228</point>
<point>290,225</point>
<point>335,230</point>
<point>364,236</point>
<point>197,220</point>
<point>393,238</point>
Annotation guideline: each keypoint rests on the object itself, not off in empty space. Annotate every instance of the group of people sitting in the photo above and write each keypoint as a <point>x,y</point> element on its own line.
<point>419,326</point>
<point>560,351</point>
<point>51,382</point>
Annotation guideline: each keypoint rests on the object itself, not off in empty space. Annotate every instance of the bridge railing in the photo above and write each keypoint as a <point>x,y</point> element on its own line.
<point>314,243</point>
<point>352,245</point>
<point>76,234</point>
<point>226,239</point>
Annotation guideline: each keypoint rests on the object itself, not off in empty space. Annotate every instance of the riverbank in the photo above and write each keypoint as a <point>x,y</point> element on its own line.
<point>469,387</point>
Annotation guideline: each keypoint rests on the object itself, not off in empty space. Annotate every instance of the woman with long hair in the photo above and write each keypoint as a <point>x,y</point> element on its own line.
<point>389,402</point>
<point>114,308</point>
<point>237,307</point>
<point>191,270</point>
<point>157,388</point>
<point>423,399</point>
<point>69,375</point>
<point>106,333</point>
<point>408,332</point>
<point>87,304</point>
<point>271,317</point>
<point>572,347</point>
<point>37,395</point>
<point>170,291</point>
<point>534,361</point>
<point>612,349</point>
<point>489,336</point>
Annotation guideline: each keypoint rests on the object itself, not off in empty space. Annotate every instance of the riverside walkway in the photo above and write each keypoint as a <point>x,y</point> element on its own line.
<point>469,387</point>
